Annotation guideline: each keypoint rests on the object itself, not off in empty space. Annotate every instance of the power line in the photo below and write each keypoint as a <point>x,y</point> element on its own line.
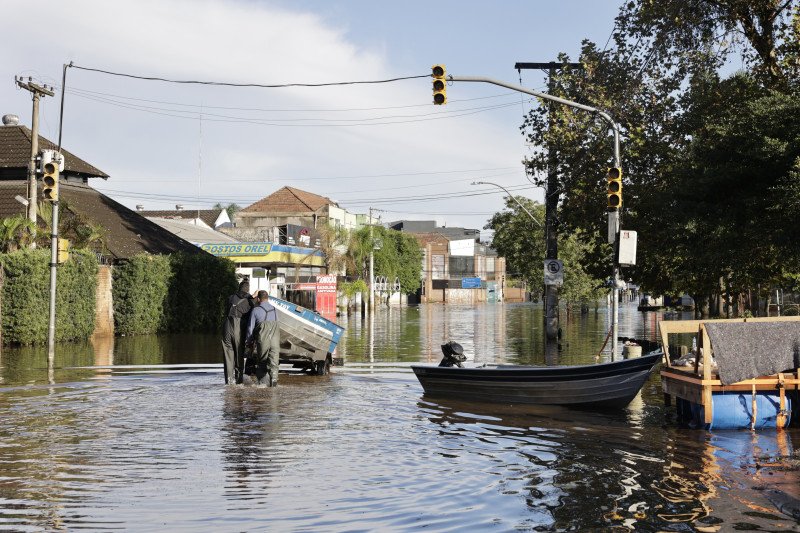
<point>256,85</point>
<point>356,202</point>
<point>276,122</point>
<point>194,115</point>
<point>362,176</point>
<point>84,92</point>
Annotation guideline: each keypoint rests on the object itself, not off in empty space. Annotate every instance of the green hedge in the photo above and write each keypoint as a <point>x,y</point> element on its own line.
<point>139,291</point>
<point>181,292</point>
<point>26,296</point>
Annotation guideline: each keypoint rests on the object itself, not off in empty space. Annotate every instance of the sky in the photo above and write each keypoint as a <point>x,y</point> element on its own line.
<point>384,146</point>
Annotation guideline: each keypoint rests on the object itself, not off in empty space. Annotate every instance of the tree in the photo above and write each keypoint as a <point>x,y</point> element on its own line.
<point>15,232</point>
<point>520,240</point>
<point>580,287</point>
<point>230,208</point>
<point>679,119</point>
<point>395,255</point>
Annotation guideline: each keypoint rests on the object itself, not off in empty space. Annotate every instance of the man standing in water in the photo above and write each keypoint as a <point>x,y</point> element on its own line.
<point>263,338</point>
<point>238,306</point>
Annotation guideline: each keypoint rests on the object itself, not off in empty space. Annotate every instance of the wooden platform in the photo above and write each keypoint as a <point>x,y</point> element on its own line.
<point>697,383</point>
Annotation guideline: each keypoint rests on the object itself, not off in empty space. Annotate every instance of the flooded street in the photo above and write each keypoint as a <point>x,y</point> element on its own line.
<point>363,449</point>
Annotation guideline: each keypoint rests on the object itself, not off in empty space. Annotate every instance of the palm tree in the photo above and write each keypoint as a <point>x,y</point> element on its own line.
<point>16,232</point>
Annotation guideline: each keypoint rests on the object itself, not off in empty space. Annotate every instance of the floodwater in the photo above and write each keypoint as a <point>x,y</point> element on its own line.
<point>363,449</point>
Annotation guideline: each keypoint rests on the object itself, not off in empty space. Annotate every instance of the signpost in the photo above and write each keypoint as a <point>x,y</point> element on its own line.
<point>553,272</point>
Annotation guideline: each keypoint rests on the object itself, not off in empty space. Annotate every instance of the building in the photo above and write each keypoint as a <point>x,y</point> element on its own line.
<point>124,232</point>
<point>292,216</point>
<point>457,267</point>
<point>211,218</point>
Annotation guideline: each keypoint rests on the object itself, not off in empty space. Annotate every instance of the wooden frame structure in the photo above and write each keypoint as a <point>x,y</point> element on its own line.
<point>697,385</point>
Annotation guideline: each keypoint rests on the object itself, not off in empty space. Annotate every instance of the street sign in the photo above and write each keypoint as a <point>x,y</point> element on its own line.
<point>471,283</point>
<point>553,272</point>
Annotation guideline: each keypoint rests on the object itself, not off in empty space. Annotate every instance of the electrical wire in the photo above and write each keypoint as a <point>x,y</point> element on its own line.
<point>361,201</point>
<point>255,85</point>
<point>277,123</point>
<point>196,115</point>
<point>79,91</point>
<point>362,176</point>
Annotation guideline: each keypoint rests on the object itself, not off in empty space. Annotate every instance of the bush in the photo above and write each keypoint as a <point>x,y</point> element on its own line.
<point>140,291</point>
<point>177,293</point>
<point>26,296</point>
<point>201,284</point>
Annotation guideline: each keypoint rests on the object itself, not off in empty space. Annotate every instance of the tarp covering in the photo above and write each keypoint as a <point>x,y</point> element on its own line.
<point>745,350</point>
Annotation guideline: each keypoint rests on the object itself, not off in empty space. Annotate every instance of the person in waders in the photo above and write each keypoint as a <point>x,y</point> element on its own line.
<point>263,341</point>
<point>239,305</point>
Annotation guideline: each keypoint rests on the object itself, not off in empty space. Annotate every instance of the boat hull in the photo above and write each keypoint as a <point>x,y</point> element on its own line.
<point>601,386</point>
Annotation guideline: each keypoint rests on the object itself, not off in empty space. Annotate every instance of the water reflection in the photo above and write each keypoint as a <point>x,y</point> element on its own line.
<point>582,471</point>
<point>367,452</point>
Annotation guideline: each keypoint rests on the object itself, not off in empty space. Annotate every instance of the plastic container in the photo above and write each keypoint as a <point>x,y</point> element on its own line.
<point>734,410</point>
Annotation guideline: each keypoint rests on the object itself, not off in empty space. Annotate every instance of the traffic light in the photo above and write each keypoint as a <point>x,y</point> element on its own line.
<point>614,178</point>
<point>439,85</point>
<point>50,173</point>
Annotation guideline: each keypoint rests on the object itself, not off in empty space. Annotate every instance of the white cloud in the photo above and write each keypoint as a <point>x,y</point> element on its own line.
<point>250,42</point>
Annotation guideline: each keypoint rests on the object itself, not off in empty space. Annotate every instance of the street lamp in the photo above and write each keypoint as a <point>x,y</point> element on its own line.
<point>512,197</point>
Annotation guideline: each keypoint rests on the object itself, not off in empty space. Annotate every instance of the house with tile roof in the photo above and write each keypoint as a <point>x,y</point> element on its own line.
<point>125,232</point>
<point>289,205</point>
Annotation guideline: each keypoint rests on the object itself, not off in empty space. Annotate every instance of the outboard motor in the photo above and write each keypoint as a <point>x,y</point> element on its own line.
<point>453,355</point>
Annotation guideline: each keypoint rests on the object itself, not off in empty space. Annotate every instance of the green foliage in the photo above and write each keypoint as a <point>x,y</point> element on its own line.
<point>520,240</point>
<point>201,283</point>
<point>395,255</point>
<point>178,293</point>
<point>26,296</point>
<point>15,232</point>
<point>579,287</point>
<point>351,288</point>
<point>140,294</point>
<point>399,257</point>
<point>232,209</point>
<point>710,165</point>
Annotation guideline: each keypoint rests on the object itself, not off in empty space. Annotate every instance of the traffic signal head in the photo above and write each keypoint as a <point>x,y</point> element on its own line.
<point>614,193</point>
<point>439,84</point>
<point>50,181</point>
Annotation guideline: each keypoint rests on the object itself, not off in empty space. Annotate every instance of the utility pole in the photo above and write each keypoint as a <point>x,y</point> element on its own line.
<point>370,303</point>
<point>613,215</point>
<point>37,91</point>
<point>371,261</point>
<point>550,200</point>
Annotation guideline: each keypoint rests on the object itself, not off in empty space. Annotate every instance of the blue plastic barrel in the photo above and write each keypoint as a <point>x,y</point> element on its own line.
<point>733,410</point>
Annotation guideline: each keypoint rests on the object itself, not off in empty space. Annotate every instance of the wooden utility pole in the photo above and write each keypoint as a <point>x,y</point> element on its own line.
<point>37,91</point>
<point>550,201</point>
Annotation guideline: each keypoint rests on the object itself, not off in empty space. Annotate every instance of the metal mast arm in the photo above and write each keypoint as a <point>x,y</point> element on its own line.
<point>602,114</point>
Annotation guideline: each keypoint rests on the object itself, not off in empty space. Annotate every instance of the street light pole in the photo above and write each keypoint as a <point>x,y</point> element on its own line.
<point>613,215</point>
<point>512,197</point>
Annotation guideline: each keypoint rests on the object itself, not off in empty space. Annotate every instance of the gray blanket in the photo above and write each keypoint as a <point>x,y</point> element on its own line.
<point>745,350</point>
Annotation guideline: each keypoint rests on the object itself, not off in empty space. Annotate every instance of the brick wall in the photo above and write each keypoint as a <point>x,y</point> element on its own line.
<point>104,312</point>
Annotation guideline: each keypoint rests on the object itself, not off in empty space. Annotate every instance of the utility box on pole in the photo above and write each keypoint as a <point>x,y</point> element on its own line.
<point>627,248</point>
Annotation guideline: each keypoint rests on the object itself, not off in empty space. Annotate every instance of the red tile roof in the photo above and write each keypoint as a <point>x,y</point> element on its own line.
<point>290,200</point>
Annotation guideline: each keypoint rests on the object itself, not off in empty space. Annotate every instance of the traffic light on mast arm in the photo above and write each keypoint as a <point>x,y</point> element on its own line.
<point>50,172</point>
<point>614,178</point>
<point>439,84</point>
